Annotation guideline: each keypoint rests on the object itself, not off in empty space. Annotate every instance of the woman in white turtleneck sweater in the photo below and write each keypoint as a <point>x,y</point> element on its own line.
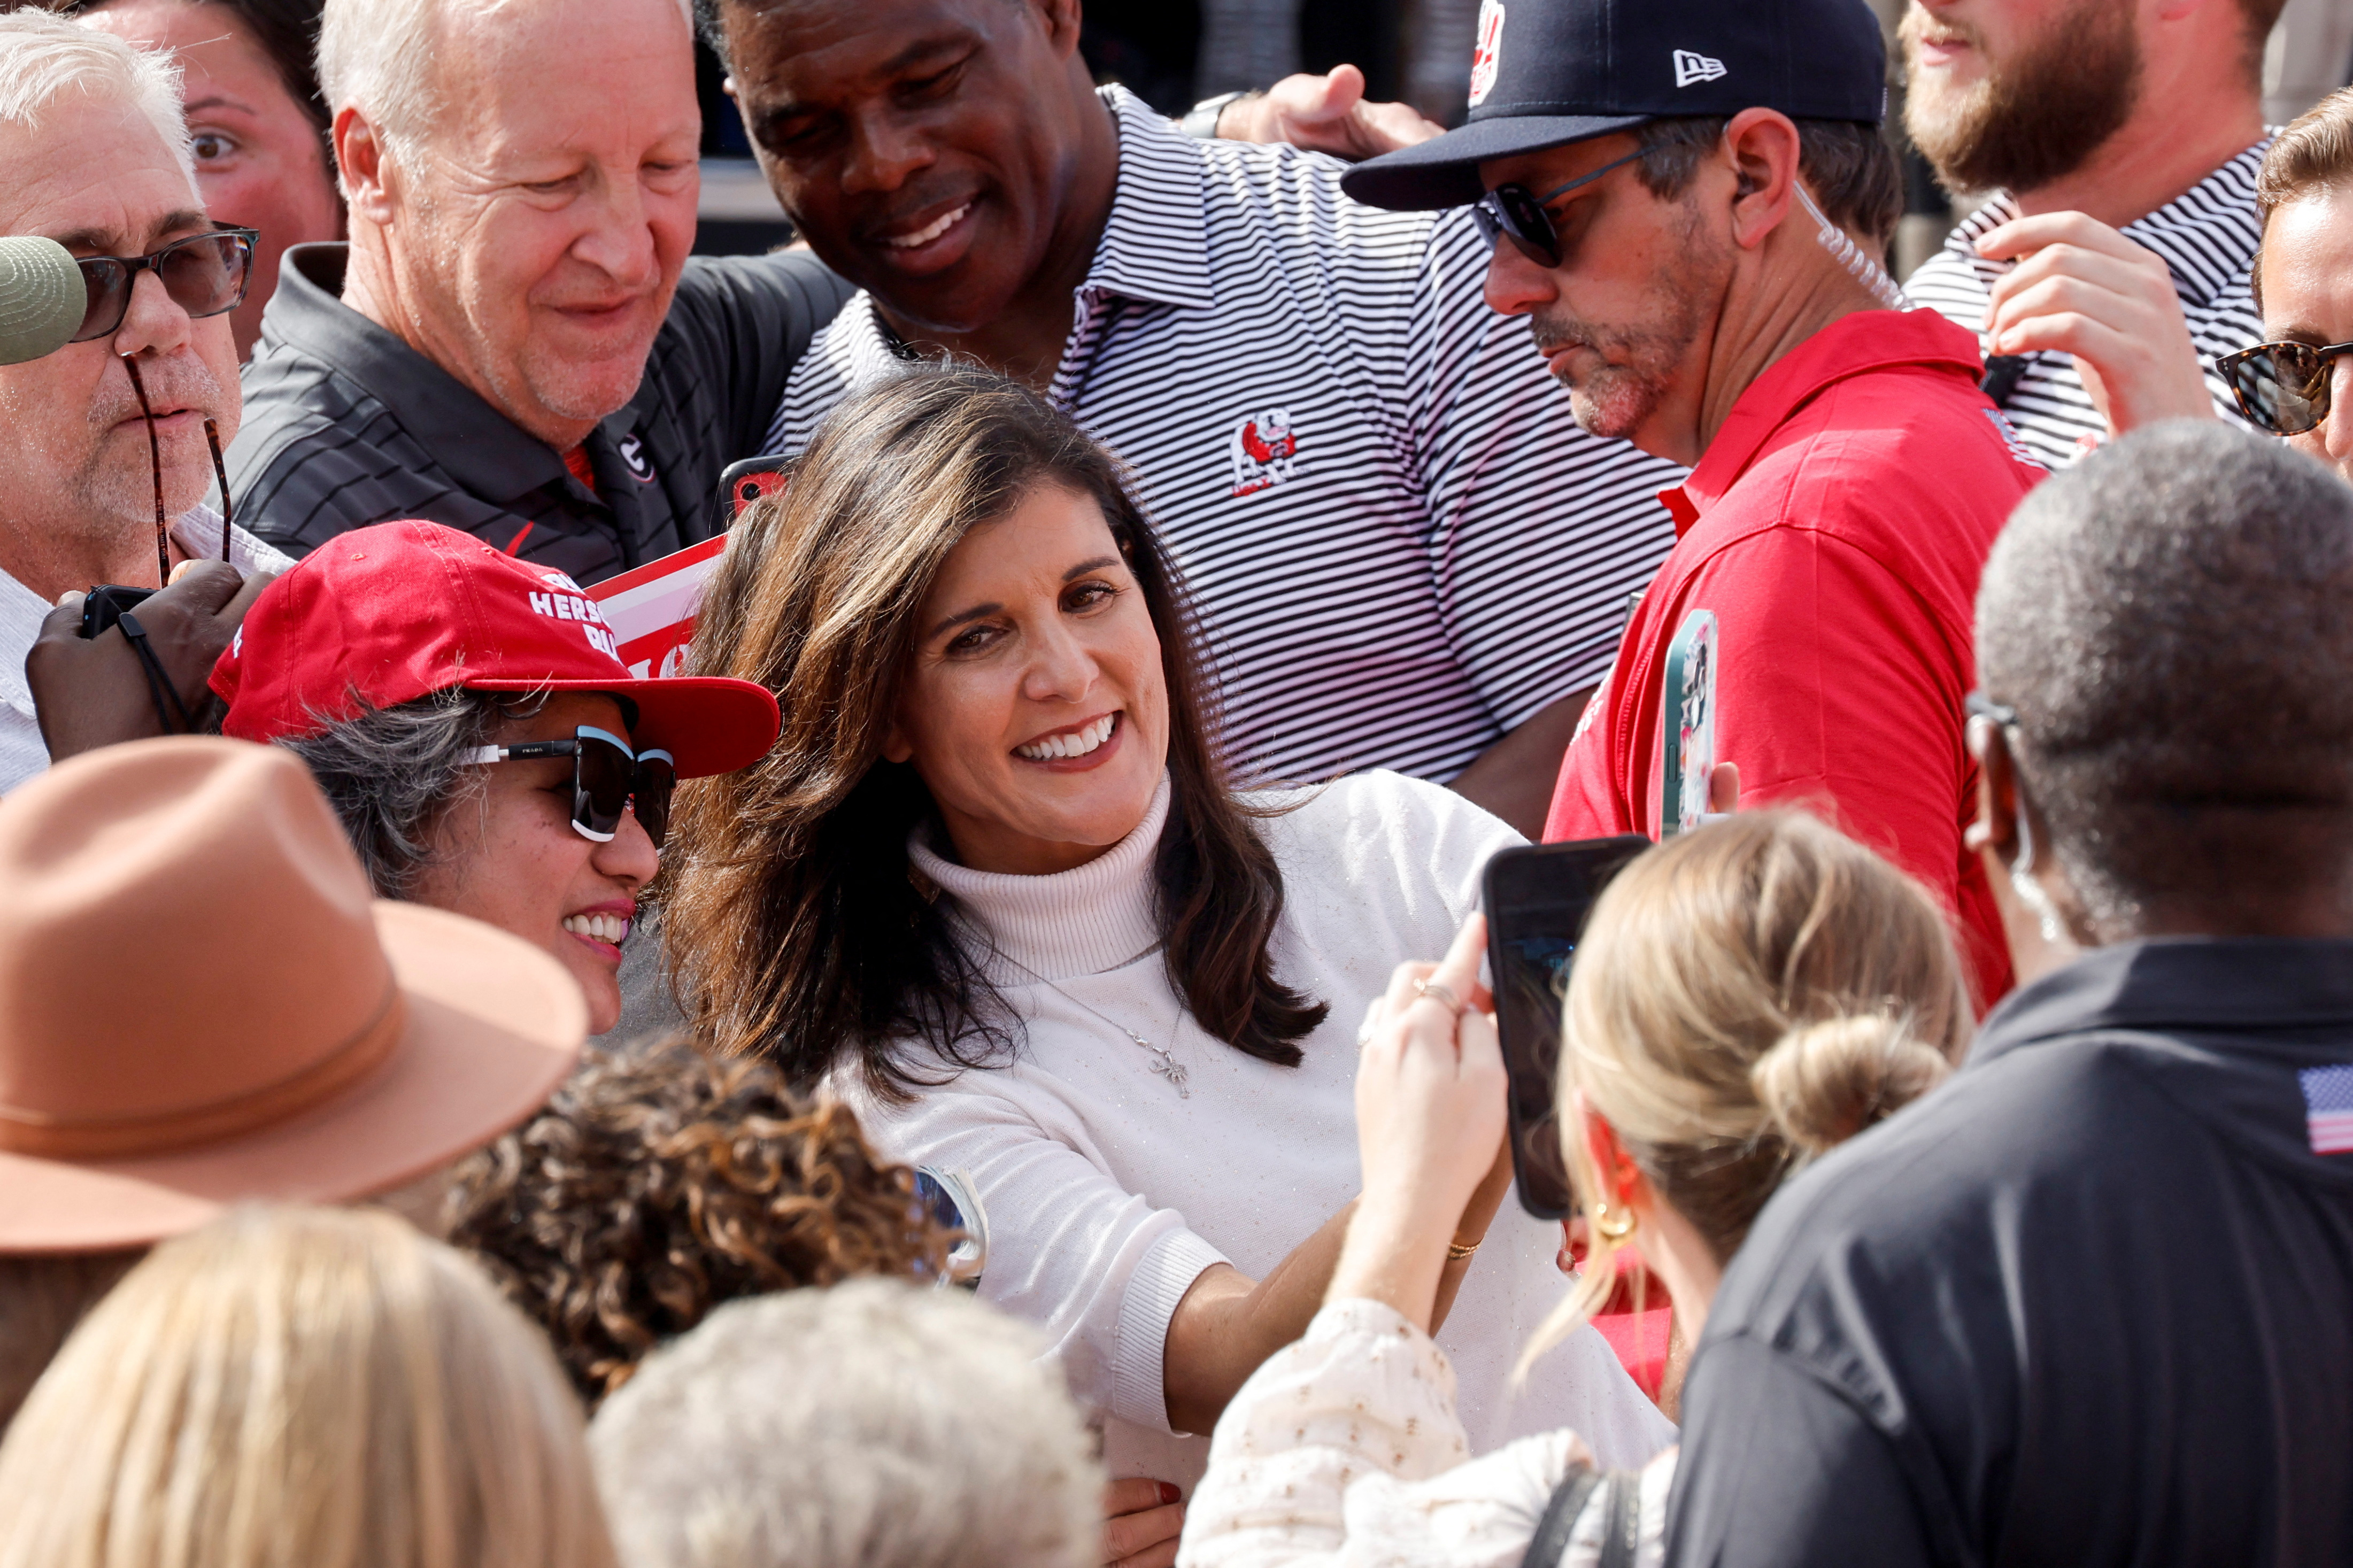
<point>994,888</point>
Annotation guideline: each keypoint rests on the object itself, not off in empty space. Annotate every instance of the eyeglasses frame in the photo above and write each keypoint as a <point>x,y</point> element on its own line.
<point>135,265</point>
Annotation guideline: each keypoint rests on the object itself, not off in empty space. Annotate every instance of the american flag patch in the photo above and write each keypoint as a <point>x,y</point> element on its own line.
<point>2329,1108</point>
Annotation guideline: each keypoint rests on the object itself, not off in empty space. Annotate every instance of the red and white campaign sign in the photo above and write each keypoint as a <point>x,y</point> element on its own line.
<point>651,607</point>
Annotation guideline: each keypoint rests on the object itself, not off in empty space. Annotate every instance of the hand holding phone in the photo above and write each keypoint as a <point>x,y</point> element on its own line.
<point>1429,1121</point>
<point>1538,897</point>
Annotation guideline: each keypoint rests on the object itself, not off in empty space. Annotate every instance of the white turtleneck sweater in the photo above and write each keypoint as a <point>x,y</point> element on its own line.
<point>1107,1194</point>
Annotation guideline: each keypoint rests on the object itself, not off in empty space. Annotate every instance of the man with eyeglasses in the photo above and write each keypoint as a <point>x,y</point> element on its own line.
<point>1687,199</point>
<point>94,155</point>
<point>2287,384</point>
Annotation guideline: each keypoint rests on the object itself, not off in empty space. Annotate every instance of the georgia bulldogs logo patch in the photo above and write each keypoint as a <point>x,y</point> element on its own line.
<point>1489,52</point>
<point>1264,452</point>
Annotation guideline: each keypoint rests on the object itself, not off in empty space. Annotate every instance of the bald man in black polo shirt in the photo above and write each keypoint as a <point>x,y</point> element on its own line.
<point>515,342</point>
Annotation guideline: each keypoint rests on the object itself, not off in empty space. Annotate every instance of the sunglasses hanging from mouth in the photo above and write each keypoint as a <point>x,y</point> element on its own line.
<point>2284,388</point>
<point>608,779</point>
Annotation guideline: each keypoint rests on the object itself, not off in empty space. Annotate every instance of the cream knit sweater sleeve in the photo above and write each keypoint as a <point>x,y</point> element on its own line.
<point>1100,1269</point>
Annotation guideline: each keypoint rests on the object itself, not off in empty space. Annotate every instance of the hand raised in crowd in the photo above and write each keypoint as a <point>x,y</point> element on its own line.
<point>1325,113</point>
<point>2081,288</point>
<point>1429,1132</point>
<point>1142,1521</point>
<point>92,693</point>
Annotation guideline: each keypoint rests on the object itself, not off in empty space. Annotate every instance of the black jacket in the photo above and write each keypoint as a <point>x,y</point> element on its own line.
<point>2089,1303</point>
<point>345,425</point>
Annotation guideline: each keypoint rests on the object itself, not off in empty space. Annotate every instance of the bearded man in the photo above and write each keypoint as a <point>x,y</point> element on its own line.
<point>2119,140</point>
<point>1687,216</point>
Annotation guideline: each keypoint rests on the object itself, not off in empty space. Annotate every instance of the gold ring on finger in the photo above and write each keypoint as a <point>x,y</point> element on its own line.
<point>1440,992</point>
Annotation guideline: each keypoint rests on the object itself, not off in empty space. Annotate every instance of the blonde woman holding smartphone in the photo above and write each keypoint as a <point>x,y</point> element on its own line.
<point>1745,997</point>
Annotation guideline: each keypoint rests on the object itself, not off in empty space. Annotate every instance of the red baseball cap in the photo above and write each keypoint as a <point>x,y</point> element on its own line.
<point>385,614</point>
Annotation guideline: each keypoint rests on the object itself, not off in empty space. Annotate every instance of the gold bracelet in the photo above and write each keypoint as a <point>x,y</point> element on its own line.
<point>1456,1252</point>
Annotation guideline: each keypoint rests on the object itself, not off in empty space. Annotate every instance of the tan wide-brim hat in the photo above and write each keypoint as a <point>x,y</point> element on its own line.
<point>202,1002</point>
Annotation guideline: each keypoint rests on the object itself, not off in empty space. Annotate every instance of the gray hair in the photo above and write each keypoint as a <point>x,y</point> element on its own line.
<point>392,774</point>
<point>873,1425</point>
<point>43,58</point>
<point>2170,621</point>
<point>377,56</point>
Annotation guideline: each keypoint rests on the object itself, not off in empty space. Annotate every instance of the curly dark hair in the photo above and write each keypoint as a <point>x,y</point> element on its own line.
<point>661,1183</point>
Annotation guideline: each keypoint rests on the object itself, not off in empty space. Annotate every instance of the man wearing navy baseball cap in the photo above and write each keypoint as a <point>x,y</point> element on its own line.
<point>1688,199</point>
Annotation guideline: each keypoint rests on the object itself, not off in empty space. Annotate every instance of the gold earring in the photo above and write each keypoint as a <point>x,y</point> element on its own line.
<point>1617,1232</point>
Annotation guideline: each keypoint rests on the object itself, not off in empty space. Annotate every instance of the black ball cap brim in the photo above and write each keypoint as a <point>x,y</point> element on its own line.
<point>1443,172</point>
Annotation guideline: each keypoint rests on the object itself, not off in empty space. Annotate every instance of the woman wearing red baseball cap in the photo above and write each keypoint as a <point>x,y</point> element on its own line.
<point>486,748</point>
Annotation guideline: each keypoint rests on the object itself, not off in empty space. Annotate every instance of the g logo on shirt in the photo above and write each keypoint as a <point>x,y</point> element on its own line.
<point>1264,450</point>
<point>633,452</point>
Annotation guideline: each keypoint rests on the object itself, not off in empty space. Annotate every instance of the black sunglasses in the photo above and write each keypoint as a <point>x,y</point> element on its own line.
<point>2282,387</point>
<point>205,274</point>
<point>608,779</point>
<point>1514,213</point>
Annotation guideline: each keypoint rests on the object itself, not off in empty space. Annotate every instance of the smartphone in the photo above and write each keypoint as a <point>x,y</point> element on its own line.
<point>743,483</point>
<point>1687,725</point>
<point>1538,897</point>
<point>103,606</point>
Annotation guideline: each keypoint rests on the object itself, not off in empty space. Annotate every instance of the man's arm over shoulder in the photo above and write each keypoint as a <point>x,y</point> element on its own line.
<point>1781,1469</point>
<point>746,320</point>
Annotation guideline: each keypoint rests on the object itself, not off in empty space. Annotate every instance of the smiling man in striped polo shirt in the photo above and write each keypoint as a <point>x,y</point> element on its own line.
<point>1406,553</point>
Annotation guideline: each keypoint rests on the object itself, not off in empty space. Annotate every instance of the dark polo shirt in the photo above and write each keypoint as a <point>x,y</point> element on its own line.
<point>345,425</point>
<point>2089,1304</point>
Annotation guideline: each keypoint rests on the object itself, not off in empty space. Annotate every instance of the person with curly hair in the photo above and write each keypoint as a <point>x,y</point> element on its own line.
<point>661,1183</point>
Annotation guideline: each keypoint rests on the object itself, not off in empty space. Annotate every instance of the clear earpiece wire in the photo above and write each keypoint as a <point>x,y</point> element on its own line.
<point>1865,269</point>
<point>2031,892</point>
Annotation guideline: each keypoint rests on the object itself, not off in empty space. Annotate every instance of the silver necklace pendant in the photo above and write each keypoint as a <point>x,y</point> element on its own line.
<point>1166,1066</point>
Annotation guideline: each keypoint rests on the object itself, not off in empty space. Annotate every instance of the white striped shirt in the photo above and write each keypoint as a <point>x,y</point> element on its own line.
<point>1401,543</point>
<point>2207,236</point>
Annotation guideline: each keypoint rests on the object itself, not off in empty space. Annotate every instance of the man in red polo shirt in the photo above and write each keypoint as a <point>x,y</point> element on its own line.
<point>1688,197</point>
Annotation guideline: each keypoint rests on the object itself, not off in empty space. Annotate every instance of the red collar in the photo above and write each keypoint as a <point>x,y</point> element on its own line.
<point>1851,345</point>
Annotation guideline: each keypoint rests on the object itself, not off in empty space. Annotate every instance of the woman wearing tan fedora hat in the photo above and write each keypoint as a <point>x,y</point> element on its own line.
<point>473,724</point>
<point>202,1002</point>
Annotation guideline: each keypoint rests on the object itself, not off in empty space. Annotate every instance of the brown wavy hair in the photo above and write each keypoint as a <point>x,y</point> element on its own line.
<point>661,1183</point>
<point>793,927</point>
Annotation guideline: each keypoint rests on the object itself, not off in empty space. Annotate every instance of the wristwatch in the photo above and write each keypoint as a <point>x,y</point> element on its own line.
<point>1200,122</point>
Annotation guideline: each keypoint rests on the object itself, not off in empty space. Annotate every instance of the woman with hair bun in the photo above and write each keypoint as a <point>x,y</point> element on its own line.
<point>1745,997</point>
